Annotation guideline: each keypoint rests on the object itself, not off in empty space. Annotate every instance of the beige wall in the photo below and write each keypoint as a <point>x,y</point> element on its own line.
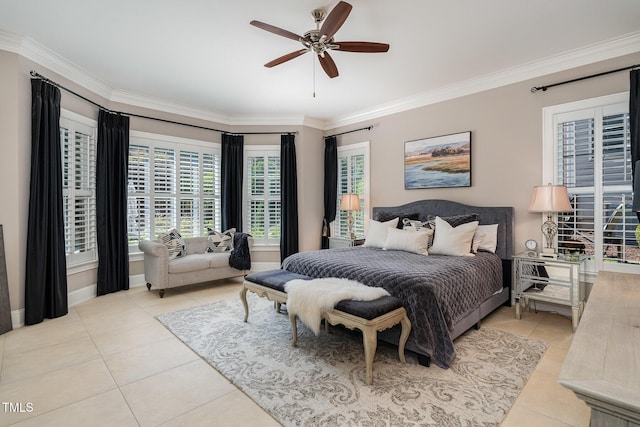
<point>11,187</point>
<point>506,126</point>
<point>15,137</point>
<point>506,133</point>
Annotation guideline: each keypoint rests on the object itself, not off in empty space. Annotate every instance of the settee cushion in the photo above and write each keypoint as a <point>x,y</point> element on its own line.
<point>188,263</point>
<point>219,259</point>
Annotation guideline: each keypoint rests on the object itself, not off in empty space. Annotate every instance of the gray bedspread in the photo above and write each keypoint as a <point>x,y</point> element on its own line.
<point>436,290</point>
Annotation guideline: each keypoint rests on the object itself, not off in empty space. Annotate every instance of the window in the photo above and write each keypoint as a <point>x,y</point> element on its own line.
<point>353,178</point>
<point>262,202</point>
<point>592,157</point>
<point>78,145</point>
<point>173,183</point>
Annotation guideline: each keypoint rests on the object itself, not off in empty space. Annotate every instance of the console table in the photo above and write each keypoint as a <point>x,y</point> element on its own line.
<point>602,366</point>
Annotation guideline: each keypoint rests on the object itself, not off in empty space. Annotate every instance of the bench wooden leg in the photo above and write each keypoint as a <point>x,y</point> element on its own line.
<point>404,336</point>
<point>243,298</point>
<point>370,341</point>
<point>294,328</point>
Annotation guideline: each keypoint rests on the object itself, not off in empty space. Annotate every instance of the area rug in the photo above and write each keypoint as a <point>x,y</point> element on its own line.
<point>322,381</point>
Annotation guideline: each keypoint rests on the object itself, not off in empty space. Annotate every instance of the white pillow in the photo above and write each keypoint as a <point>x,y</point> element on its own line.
<point>450,240</point>
<point>377,232</point>
<point>477,241</point>
<point>487,236</point>
<point>410,241</point>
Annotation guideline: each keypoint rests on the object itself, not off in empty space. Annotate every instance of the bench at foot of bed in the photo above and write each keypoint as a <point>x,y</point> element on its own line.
<point>367,316</point>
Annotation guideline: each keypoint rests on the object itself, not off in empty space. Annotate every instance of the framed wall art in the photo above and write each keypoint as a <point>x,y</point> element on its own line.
<point>438,162</point>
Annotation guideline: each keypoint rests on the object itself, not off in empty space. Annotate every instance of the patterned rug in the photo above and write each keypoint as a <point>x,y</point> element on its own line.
<point>322,381</point>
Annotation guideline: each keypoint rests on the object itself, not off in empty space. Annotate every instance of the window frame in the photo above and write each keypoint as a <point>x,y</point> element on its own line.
<point>350,150</point>
<point>552,116</point>
<point>266,243</point>
<point>76,123</point>
<point>178,145</point>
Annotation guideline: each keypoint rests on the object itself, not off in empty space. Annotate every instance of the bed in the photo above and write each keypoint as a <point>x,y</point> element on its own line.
<point>444,295</point>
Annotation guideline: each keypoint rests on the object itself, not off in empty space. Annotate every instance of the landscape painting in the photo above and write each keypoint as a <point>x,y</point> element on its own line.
<point>438,162</point>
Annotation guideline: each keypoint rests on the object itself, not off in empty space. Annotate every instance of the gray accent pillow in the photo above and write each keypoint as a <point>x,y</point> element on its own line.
<point>384,216</point>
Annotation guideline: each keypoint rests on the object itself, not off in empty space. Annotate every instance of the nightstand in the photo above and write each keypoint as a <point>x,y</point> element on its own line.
<point>555,281</point>
<point>343,242</point>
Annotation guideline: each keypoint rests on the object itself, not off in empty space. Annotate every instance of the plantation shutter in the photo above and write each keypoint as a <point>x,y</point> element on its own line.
<point>576,158</point>
<point>78,183</point>
<point>139,189</point>
<point>263,196</point>
<point>211,191</point>
<point>189,193</point>
<point>351,180</point>
<point>164,177</point>
<point>594,161</point>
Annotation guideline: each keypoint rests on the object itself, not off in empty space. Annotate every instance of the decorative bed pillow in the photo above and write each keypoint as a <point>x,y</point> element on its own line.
<point>220,242</point>
<point>377,232</point>
<point>174,242</point>
<point>384,216</point>
<point>407,240</point>
<point>454,220</point>
<point>487,237</point>
<point>449,240</point>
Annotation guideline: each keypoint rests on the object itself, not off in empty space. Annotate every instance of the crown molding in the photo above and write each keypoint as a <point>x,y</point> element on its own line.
<point>613,48</point>
<point>137,100</point>
<point>10,42</point>
<point>45,57</point>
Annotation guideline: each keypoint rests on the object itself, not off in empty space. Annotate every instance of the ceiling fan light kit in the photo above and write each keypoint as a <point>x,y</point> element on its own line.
<point>320,40</point>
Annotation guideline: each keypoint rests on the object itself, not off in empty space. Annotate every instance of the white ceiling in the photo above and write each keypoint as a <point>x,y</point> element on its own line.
<point>205,55</point>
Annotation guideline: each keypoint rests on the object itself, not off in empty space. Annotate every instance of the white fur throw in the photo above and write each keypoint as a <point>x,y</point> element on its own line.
<point>309,299</point>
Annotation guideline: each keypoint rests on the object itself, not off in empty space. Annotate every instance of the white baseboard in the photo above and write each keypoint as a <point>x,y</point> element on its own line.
<point>76,297</point>
<point>17,318</point>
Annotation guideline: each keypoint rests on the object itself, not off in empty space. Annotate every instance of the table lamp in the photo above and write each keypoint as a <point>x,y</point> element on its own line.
<point>550,199</point>
<point>350,202</point>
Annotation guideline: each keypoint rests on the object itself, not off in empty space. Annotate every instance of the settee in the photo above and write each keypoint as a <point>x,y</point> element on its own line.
<point>195,266</point>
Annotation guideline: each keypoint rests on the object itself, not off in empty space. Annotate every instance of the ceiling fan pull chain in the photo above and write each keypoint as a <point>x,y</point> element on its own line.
<point>313,64</point>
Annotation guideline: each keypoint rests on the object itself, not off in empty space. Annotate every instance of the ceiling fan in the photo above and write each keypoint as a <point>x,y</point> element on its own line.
<point>320,40</point>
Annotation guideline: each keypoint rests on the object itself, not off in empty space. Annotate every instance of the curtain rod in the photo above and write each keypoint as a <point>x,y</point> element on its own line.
<point>349,131</point>
<point>544,88</point>
<point>43,78</point>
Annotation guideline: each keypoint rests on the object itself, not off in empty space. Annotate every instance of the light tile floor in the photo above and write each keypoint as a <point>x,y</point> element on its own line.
<point>110,363</point>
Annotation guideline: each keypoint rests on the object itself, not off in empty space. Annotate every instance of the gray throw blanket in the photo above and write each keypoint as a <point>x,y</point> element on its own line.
<point>240,257</point>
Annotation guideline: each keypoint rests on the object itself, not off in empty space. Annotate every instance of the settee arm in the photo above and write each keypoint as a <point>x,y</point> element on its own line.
<point>156,263</point>
<point>153,248</point>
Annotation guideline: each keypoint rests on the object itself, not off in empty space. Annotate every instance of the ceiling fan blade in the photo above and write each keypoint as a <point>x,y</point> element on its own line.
<point>334,20</point>
<point>328,65</point>
<point>366,47</point>
<point>285,58</point>
<point>275,30</point>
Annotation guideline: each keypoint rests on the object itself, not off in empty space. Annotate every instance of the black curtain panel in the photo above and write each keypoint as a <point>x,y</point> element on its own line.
<point>111,202</point>
<point>330,187</point>
<point>289,196</point>
<point>634,125</point>
<point>46,275</point>
<point>231,191</point>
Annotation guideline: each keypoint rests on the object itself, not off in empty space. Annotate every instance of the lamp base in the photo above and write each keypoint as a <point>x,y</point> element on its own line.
<point>548,253</point>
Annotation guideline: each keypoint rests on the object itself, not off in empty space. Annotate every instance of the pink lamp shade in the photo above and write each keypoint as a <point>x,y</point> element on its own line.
<point>550,198</point>
<point>350,202</point>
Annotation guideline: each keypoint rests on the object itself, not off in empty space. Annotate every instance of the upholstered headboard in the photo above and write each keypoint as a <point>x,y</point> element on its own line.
<point>503,216</point>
